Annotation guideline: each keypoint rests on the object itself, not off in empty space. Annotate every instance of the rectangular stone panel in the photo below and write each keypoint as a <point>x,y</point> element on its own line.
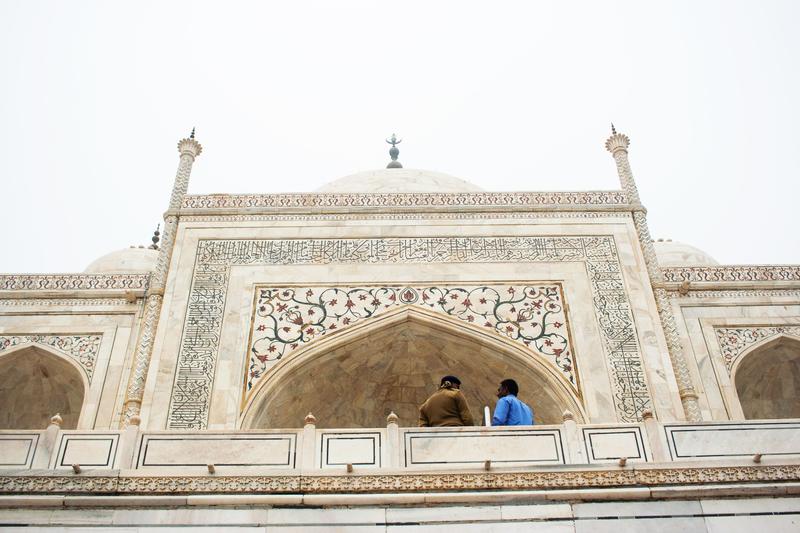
<point>89,450</point>
<point>358,449</point>
<point>726,440</point>
<point>444,447</point>
<point>17,449</point>
<point>275,450</point>
<point>608,445</point>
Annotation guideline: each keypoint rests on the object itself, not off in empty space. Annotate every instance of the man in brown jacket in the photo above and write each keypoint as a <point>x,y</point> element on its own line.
<point>446,407</point>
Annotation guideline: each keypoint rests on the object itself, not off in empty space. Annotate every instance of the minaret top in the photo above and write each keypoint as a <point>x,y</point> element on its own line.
<point>394,151</point>
<point>617,141</point>
<point>190,146</point>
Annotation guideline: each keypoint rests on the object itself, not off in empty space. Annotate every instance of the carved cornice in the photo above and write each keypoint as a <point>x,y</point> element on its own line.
<point>407,200</point>
<point>741,293</point>
<point>732,273</point>
<point>63,302</point>
<point>73,282</point>
<point>97,482</point>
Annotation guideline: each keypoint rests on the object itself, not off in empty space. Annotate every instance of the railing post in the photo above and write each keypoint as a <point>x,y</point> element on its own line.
<point>572,440</point>
<point>393,440</point>
<point>655,437</point>
<point>47,445</point>
<point>127,443</point>
<point>307,461</point>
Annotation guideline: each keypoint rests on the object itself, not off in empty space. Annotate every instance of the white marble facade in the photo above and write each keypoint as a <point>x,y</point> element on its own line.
<point>351,300</point>
<point>388,230</point>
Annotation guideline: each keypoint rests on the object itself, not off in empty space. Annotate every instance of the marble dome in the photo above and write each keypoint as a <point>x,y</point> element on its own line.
<point>126,260</point>
<point>673,253</point>
<point>398,180</point>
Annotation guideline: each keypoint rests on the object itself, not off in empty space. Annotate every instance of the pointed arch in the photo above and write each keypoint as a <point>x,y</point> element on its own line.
<point>767,378</point>
<point>393,361</point>
<point>37,382</point>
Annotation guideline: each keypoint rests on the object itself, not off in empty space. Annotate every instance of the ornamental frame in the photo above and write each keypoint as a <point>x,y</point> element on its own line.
<point>286,319</point>
<point>735,341</point>
<point>82,349</point>
<point>196,361</point>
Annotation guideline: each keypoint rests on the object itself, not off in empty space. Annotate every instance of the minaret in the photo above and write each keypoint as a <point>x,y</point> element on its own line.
<point>618,144</point>
<point>189,149</point>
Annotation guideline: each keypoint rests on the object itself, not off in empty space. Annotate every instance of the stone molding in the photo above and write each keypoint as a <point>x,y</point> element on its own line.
<point>737,293</point>
<point>733,342</point>
<point>73,282</point>
<point>196,360</point>
<point>83,349</point>
<point>64,302</point>
<point>188,216</point>
<point>405,200</point>
<point>734,273</point>
<point>118,483</point>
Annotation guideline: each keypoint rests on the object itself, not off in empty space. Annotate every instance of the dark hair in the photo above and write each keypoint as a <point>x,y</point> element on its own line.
<point>452,379</point>
<point>511,386</point>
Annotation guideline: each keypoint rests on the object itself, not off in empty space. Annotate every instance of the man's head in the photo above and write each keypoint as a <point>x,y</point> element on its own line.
<point>450,382</point>
<point>507,386</point>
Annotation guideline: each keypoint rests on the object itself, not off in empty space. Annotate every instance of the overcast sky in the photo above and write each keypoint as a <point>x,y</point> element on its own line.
<point>288,96</point>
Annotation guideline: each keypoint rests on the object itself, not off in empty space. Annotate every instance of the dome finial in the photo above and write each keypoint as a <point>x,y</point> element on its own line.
<point>394,151</point>
<point>191,135</point>
<point>156,237</point>
<point>613,129</point>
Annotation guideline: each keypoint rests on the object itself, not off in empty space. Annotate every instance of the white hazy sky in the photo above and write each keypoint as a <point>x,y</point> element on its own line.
<point>289,95</point>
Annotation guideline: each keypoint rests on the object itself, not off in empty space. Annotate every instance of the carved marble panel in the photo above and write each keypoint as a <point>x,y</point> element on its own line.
<point>214,259</point>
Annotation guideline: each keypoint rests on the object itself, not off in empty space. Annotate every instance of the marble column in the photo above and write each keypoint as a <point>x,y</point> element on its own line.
<point>189,149</point>
<point>618,144</point>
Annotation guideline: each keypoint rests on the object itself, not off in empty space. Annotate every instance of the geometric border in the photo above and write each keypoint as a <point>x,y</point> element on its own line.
<point>725,429</point>
<point>588,433</point>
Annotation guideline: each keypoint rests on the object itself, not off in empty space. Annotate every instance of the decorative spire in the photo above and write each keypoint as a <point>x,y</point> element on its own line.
<point>191,135</point>
<point>156,238</point>
<point>617,141</point>
<point>394,151</point>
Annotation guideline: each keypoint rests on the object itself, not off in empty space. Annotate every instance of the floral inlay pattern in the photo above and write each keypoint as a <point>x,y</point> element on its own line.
<point>287,318</point>
<point>81,348</point>
<point>734,341</point>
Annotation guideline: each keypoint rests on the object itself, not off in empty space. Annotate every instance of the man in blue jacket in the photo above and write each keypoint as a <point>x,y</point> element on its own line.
<point>509,410</point>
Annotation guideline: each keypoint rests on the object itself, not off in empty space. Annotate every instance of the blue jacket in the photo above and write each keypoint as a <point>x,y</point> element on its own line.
<point>512,412</point>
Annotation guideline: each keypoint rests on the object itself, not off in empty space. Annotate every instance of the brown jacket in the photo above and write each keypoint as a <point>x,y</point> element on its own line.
<point>445,407</point>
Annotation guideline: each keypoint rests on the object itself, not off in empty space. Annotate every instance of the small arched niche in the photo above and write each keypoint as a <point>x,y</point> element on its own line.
<point>35,384</point>
<point>768,380</point>
<point>394,364</point>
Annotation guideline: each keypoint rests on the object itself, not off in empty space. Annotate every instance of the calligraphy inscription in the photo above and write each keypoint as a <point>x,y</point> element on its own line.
<point>194,376</point>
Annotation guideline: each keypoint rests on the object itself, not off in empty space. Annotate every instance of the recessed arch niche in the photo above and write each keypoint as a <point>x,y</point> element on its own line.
<point>393,362</point>
<point>35,384</point>
<point>767,379</point>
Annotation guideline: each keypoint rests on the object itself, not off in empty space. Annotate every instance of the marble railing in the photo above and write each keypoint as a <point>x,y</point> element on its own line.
<point>398,449</point>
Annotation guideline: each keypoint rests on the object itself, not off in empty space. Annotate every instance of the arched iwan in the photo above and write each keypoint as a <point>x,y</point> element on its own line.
<point>392,362</point>
<point>767,379</point>
<point>36,383</point>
